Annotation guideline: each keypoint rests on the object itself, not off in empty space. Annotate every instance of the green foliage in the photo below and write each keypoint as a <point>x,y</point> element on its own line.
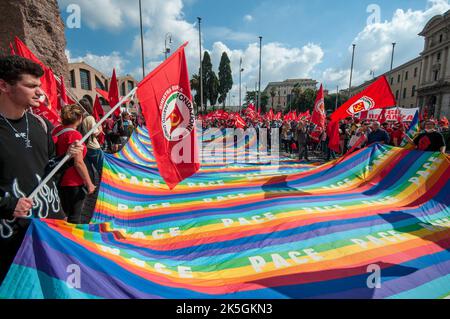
<point>225,77</point>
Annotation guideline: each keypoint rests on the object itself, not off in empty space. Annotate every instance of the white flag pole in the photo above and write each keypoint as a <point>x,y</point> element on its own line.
<point>67,156</point>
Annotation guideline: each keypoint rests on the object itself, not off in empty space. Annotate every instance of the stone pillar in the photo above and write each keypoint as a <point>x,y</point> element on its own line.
<point>39,25</point>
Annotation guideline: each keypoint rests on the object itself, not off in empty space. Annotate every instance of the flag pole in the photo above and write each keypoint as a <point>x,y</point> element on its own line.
<point>84,139</point>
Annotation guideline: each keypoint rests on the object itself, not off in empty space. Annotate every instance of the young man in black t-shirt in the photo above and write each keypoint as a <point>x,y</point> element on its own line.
<point>26,147</point>
<point>430,140</point>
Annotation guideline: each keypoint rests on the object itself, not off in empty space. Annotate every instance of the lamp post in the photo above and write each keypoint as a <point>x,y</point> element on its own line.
<point>167,49</point>
<point>392,57</point>
<point>201,67</point>
<point>351,70</point>
<point>259,79</point>
<point>142,40</point>
<point>240,83</point>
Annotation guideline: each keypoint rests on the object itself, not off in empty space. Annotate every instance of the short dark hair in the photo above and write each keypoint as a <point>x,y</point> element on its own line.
<point>86,104</point>
<point>13,67</point>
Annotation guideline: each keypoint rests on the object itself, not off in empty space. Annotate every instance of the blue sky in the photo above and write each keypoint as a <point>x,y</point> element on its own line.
<point>300,38</point>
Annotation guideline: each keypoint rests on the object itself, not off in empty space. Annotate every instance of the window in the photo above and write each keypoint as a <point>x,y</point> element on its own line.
<point>85,77</point>
<point>123,92</point>
<point>439,56</point>
<point>436,74</point>
<point>396,95</point>
<point>404,93</point>
<point>413,91</point>
<point>130,86</point>
<point>99,84</point>
<point>441,37</point>
<point>398,79</point>
<point>415,72</point>
<point>406,76</point>
<point>72,79</point>
<point>392,81</point>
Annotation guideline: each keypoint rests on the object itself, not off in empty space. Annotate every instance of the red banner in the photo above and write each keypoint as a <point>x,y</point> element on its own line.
<point>166,101</point>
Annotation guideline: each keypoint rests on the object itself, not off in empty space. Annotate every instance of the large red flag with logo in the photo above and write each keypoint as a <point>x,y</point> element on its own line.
<point>319,115</point>
<point>376,96</point>
<point>49,102</point>
<point>166,101</point>
<point>113,94</point>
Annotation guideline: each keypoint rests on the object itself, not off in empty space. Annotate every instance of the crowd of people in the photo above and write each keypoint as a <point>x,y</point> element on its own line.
<point>31,146</point>
<point>300,138</point>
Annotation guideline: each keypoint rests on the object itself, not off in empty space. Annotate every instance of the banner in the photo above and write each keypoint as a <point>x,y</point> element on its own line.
<point>392,114</point>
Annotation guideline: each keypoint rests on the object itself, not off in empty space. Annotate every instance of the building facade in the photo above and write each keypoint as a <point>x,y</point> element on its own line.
<point>281,94</point>
<point>434,89</point>
<point>424,82</point>
<point>85,79</point>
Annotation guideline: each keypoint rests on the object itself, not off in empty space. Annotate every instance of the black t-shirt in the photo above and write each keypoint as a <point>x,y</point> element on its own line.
<point>22,169</point>
<point>429,142</point>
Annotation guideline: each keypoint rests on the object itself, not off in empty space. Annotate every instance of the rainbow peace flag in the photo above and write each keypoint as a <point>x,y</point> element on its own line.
<point>414,129</point>
<point>374,225</point>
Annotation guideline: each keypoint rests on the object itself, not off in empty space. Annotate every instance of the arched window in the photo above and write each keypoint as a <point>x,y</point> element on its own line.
<point>99,84</point>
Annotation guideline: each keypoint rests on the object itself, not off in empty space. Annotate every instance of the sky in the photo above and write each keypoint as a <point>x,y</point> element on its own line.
<point>301,39</point>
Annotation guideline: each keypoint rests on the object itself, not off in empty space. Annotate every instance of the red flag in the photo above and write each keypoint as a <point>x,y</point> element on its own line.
<point>98,112</point>
<point>318,116</point>
<point>63,99</point>
<point>382,116</point>
<point>376,96</point>
<point>278,116</point>
<point>166,101</point>
<point>113,94</point>
<point>103,94</point>
<point>239,121</point>
<point>11,49</point>
<point>333,135</point>
<point>49,102</point>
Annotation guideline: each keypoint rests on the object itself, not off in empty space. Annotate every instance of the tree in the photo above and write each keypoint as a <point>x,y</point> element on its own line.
<point>213,88</point>
<point>225,77</point>
<point>195,85</point>
<point>264,102</point>
<point>207,73</point>
<point>273,93</point>
<point>250,97</point>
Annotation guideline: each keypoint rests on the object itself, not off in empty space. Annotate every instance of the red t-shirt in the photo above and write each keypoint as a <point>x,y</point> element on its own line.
<point>71,176</point>
<point>397,134</point>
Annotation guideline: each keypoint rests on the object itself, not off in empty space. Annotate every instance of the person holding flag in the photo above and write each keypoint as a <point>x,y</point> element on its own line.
<point>27,148</point>
<point>376,96</point>
<point>430,140</point>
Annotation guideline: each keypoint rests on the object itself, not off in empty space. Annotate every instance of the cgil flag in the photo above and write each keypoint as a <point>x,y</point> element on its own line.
<point>166,102</point>
<point>378,95</point>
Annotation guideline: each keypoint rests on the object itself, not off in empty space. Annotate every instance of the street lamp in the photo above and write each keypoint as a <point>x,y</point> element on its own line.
<point>240,83</point>
<point>167,48</point>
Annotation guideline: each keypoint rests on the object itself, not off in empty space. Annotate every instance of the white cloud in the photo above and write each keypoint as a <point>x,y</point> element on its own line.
<point>374,44</point>
<point>279,62</point>
<point>103,63</point>
<point>248,18</point>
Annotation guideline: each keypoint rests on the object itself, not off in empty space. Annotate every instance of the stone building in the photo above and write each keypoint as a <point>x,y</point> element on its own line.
<point>434,89</point>
<point>424,82</point>
<point>39,25</point>
<point>85,79</point>
<point>281,94</point>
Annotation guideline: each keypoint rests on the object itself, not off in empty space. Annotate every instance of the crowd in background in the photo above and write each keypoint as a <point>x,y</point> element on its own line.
<point>296,138</point>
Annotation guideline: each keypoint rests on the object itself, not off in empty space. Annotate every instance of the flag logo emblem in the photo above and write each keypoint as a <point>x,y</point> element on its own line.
<point>177,115</point>
<point>365,103</point>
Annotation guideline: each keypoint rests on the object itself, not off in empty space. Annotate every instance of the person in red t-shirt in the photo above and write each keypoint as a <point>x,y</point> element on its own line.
<point>397,134</point>
<point>76,182</point>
